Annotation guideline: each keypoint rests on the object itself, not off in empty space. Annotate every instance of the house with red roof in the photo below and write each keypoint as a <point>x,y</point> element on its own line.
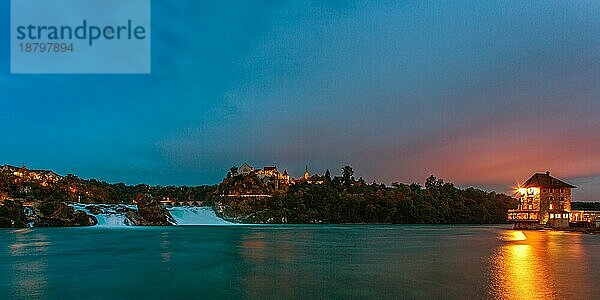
<point>544,201</point>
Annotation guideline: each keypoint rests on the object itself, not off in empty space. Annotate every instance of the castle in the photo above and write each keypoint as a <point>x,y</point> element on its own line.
<point>270,174</point>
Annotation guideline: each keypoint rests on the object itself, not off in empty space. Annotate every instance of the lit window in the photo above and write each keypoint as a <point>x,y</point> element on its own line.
<point>551,216</point>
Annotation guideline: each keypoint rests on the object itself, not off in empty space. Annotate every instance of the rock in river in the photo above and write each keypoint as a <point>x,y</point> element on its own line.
<point>150,213</point>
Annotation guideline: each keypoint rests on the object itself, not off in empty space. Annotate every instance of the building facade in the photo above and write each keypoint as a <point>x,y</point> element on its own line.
<point>544,201</point>
<point>271,175</point>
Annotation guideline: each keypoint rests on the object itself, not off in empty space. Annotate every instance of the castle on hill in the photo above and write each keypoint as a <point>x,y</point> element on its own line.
<point>271,175</point>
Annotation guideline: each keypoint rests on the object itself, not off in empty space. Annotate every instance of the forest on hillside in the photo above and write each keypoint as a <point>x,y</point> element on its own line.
<point>346,200</point>
<point>341,199</point>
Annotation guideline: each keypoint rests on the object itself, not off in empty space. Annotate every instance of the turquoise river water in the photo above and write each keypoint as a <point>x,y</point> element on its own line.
<point>298,262</point>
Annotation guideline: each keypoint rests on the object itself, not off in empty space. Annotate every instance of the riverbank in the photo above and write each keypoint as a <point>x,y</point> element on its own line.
<point>52,213</point>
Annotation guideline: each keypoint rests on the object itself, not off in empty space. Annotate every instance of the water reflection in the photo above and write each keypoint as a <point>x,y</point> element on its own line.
<point>539,265</point>
<point>165,248</point>
<point>257,247</point>
<point>28,263</point>
<point>359,262</point>
<point>268,263</point>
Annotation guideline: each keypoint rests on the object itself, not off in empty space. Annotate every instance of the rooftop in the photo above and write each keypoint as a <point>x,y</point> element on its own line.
<point>545,180</point>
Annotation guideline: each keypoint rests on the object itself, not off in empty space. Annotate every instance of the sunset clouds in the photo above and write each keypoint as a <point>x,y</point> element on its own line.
<point>476,93</point>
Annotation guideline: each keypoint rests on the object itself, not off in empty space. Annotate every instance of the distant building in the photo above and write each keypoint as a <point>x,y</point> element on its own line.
<point>585,216</point>
<point>43,176</point>
<point>544,201</point>
<point>285,176</point>
<point>268,174</point>
<point>279,180</point>
<point>168,201</point>
<point>245,169</point>
<point>307,178</point>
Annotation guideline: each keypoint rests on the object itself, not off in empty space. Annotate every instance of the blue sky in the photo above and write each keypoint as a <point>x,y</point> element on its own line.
<point>479,93</point>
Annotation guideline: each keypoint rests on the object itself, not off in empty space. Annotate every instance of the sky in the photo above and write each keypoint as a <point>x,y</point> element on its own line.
<point>479,93</point>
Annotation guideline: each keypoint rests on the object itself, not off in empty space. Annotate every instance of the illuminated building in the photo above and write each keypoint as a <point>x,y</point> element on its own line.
<point>245,169</point>
<point>45,178</point>
<point>544,201</point>
<point>270,175</point>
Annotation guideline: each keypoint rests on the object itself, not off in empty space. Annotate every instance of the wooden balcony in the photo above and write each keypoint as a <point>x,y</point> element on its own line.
<point>523,215</point>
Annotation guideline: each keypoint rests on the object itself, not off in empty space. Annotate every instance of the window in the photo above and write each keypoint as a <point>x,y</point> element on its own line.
<point>551,216</point>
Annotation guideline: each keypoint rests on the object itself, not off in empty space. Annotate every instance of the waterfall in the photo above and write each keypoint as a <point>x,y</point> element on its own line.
<point>188,215</point>
<point>112,220</point>
<point>113,215</point>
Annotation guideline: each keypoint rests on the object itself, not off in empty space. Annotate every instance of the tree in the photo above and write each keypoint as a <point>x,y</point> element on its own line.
<point>415,187</point>
<point>327,176</point>
<point>361,181</point>
<point>347,173</point>
<point>433,183</point>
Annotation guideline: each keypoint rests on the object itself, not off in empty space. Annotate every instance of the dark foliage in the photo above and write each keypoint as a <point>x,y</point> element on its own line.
<point>74,189</point>
<point>12,214</point>
<point>585,206</point>
<point>350,201</point>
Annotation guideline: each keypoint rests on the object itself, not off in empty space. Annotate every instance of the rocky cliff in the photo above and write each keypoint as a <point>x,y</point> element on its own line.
<point>59,214</point>
<point>150,213</point>
<point>12,214</point>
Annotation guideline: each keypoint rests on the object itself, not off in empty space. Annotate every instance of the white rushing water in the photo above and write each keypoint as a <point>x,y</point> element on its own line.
<point>112,220</point>
<point>184,215</point>
<point>188,215</point>
<point>109,216</point>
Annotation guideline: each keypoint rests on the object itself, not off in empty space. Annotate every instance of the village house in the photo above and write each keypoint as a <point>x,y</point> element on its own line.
<point>43,176</point>
<point>544,201</point>
<point>245,169</point>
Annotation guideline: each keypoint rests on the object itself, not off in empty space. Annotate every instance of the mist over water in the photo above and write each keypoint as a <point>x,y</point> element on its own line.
<point>298,262</point>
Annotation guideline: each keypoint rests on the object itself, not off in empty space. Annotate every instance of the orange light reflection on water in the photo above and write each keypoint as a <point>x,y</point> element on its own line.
<point>522,269</point>
<point>29,276</point>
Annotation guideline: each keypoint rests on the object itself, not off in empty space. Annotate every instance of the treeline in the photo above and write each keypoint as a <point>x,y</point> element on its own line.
<point>585,206</point>
<point>74,189</point>
<point>345,200</point>
<point>340,199</point>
